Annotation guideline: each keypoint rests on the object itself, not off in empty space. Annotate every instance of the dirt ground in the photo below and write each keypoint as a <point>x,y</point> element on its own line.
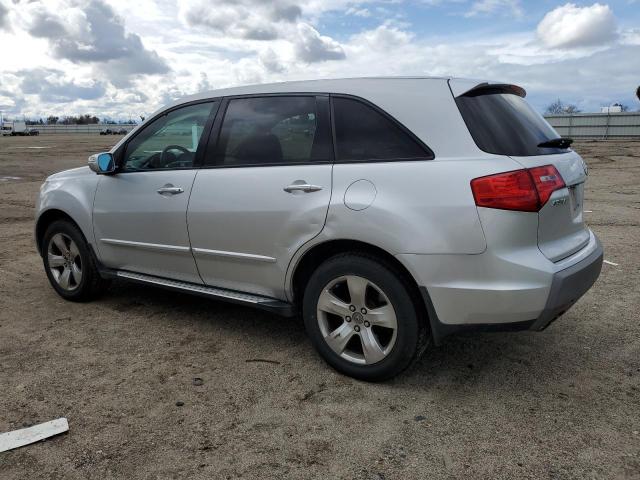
<point>564,403</point>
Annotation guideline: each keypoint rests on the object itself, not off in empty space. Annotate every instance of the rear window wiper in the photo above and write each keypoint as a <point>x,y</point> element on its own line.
<point>556,143</point>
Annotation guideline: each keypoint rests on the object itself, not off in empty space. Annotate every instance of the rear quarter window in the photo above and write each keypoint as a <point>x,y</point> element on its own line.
<point>505,124</point>
<point>365,134</point>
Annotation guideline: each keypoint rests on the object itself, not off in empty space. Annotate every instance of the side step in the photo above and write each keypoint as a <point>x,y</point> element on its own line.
<point>265,303</point>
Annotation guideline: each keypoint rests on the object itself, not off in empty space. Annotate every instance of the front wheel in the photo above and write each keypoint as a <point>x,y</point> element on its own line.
<point>362,317</point>
<point>69,264</point>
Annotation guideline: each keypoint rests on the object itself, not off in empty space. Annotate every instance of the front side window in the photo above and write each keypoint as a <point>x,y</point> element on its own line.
<point>170,141</point>
<point>363,133</point>
<point>271,131</point>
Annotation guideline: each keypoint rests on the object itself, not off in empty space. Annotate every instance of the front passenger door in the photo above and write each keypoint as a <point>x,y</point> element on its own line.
<point>139,215</point>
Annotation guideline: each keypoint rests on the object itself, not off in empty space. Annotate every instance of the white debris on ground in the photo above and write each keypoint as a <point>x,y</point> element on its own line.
<point>25,436</point>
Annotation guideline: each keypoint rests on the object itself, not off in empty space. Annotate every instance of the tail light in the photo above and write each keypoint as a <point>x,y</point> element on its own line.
<point>525,190</point>
<point>547,180</point>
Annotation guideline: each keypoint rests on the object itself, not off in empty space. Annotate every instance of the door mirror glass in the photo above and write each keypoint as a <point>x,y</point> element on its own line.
<point>102,163</point>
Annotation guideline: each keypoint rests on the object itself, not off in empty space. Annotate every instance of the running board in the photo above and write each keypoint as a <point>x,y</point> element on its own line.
<point>250,299</point>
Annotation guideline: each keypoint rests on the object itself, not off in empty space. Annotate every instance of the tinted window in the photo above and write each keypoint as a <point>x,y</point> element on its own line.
<point>505,124</point>
<point>170,141</point>
<point>272,130</point>
<point>363,133</point>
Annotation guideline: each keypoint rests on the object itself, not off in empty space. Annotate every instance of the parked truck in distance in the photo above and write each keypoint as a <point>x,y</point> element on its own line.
<point>17,129</point>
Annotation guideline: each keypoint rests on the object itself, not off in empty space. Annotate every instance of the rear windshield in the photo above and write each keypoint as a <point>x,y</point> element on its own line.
<point>505,124</point>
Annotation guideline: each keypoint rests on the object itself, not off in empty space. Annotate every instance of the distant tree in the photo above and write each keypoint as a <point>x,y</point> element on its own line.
<point>560,108</point>
<point>141,118</point>
<point>554,108</point>
<point>52,120</point>
<point>87,119</point>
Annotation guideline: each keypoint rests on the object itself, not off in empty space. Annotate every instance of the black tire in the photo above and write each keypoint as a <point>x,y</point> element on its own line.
<point>412,335</point>
<point>91,284</point>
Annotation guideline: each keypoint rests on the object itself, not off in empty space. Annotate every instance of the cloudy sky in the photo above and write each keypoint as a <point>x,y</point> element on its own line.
<point>122,58</point>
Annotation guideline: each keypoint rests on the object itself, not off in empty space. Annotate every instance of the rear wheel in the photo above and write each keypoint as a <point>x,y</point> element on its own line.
<point>69,264</point>
<point>362,318</point>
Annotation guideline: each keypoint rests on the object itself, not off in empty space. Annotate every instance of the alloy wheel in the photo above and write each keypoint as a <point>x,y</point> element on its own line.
<point>357,320</point>
<point>64,261</point>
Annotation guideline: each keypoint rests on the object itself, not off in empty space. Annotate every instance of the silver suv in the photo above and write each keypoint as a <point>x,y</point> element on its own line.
<point>387,212</point>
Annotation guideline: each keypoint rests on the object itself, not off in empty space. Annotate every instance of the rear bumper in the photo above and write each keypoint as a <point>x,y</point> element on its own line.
<point>566,287</point>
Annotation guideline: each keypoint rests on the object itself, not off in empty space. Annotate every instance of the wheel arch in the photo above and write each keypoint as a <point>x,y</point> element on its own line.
<point>317,254</point>
<point>45,219</point>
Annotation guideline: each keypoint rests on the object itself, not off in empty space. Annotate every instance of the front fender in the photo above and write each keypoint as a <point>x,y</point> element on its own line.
<point>71,196</point>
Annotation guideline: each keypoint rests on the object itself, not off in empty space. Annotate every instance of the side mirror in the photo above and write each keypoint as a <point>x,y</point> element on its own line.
<point>102,163</point>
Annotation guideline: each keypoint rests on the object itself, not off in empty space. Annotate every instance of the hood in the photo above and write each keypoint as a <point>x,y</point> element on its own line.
<point>71,173</point>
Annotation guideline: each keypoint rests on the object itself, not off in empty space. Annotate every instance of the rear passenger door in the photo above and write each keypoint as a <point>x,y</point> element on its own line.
<point>264,190</point>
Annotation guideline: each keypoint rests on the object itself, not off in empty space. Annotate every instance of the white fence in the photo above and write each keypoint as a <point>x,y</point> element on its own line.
<point>597,125</point>
<point>93,129</point>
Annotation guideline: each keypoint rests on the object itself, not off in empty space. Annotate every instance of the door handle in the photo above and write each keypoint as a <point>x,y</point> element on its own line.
<point>302,187</point>
<point>170,190</point>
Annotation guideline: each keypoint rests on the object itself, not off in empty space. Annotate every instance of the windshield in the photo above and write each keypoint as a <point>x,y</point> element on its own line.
<point>505,124</point>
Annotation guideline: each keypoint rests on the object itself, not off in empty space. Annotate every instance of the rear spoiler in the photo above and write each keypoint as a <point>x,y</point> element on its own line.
<point>461,87</point>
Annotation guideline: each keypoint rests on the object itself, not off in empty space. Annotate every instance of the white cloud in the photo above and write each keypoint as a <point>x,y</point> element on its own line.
<point>270,60</point>
<point>248,19</point>
<point>312,47</point>
<point>211,45</point>
<point>382,38</point>
<point>258,21</point>
<point>90,32</point>
<point>571,26</point>
<point>358,12</point>
<point>4,17</point>
<point>503,7</point>
<point>52,86</point>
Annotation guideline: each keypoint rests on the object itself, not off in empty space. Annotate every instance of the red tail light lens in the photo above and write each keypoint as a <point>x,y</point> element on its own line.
<point>525,190</point>
<point>547,180</point>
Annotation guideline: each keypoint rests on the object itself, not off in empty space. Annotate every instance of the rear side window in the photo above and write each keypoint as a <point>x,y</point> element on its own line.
<point>363,133</point>
<point>271,131</point>
<point>505,124</point>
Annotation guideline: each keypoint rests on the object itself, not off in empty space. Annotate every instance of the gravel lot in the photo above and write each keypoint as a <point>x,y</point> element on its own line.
<point>564,403</point>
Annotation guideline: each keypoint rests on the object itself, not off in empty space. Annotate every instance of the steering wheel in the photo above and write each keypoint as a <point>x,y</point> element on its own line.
<point>172,147</point>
